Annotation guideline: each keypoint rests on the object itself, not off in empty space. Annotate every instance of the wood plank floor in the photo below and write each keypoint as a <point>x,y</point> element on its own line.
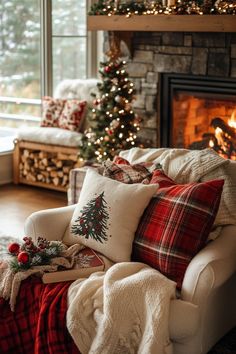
<point>17,202</point>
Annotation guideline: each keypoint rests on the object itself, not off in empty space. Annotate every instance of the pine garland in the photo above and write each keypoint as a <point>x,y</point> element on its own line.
<point>183,7</point>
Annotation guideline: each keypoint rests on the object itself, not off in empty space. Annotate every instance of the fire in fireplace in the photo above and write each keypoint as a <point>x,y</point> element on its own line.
<point>198,112</point>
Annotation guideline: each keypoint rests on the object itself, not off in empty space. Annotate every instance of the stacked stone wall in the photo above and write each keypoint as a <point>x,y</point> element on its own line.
<point>205,54</point>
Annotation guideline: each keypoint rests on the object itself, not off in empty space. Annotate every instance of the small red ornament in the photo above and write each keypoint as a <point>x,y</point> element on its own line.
<point>23,257</point>
<point>107,69</point>
<point>14,248</point>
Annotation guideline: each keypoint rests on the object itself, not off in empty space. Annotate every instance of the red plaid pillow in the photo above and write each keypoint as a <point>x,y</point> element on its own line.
<point>176,224</point>
<point>72,115</point>
<point>51,111</point>
<point>121,170</point>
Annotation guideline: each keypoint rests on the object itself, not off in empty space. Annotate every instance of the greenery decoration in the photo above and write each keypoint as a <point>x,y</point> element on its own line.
<point>113,123</point>
<point>29,254</point>
<point>155,7</point>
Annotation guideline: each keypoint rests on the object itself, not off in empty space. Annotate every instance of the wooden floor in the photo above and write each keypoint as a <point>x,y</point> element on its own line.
<point>19,201</point>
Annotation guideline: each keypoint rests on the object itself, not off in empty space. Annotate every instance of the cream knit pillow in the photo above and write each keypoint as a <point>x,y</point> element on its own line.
<point>107,215</point>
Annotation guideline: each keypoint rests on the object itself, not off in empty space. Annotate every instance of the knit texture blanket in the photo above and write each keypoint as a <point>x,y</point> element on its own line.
<point>186,166</point>
<point>125,310</point>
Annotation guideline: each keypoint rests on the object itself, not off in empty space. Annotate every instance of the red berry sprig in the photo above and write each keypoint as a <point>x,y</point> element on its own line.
<point>30,254</point>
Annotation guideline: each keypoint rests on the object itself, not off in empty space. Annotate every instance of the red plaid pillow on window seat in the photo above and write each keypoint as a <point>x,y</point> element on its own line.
<point>176,224</point>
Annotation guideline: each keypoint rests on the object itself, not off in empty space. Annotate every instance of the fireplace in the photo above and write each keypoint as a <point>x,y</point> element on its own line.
<point>194,109</point>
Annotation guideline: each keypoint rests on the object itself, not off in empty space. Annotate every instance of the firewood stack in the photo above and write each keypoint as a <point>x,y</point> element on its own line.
<point>47,167</point>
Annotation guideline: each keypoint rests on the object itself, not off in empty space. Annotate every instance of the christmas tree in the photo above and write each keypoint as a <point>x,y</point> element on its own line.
<point>113,123</point>
<point>93,220</point>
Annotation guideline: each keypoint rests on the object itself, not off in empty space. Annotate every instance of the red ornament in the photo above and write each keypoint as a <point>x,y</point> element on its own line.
<point>14,248</point>
<point>110,131</point>
<point>107,69</point>
<point>23,257</point>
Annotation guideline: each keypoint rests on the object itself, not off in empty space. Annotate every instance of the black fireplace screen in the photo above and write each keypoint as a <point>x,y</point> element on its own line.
<point>198,112</point>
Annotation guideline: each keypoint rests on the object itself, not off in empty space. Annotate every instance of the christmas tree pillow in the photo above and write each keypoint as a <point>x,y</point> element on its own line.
<point>107,215</point>
<point>176,224</point>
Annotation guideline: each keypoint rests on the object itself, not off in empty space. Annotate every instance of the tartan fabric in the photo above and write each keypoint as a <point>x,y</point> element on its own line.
<point>120,170</point>
<point>176,224</point>
<point>38,325</point>
<point>76,179</point>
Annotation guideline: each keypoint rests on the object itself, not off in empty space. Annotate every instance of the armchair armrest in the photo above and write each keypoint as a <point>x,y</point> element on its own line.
<point>50,224</point>
<point>211,267</point>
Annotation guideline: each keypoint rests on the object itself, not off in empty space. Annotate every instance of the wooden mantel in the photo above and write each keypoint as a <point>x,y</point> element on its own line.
<point>170,23</point>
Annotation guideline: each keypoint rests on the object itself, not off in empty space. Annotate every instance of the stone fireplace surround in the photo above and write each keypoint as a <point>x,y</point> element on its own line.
<point>192,53</point>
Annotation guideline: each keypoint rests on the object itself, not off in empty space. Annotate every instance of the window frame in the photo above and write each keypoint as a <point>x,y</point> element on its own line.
<point>46,61</point>
<point>46,48</point>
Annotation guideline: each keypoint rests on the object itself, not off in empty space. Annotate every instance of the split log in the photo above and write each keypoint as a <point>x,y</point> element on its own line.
<point>50,167</point>
<point>220,123</point>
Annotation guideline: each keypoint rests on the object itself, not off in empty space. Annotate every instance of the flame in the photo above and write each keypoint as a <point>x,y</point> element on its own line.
<point>211,143</point>
<point>232,120</point>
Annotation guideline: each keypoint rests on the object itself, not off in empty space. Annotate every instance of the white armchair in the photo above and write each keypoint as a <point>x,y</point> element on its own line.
<point>206,309</point>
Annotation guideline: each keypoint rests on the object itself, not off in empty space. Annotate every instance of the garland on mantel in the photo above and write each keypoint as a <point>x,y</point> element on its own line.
<point>166,7</point>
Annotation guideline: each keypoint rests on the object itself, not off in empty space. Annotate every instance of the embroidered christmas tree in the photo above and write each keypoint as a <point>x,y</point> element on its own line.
<point>93,220</point>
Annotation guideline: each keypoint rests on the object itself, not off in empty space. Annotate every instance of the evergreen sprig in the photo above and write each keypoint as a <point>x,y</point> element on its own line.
<point>31,254</point>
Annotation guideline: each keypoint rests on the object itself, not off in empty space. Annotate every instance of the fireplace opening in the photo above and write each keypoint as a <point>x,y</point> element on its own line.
<point>198,112</point>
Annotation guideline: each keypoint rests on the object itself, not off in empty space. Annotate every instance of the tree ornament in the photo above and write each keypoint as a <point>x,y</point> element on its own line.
<point>23,257</point>
<point>118,99</point>
<point>14,248</point>
<point>107,69</point>
<point>114,124</point>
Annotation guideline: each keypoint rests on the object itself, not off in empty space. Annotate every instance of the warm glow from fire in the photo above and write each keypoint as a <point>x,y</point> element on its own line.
<point>211,143</point>
<point>232,120</point>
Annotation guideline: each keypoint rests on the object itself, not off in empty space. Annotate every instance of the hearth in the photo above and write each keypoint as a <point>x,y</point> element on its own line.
<point>198,112</point>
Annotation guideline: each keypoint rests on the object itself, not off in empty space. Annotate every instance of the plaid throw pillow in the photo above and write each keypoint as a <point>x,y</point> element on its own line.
<point>121,170</point>
<point>176,224</point>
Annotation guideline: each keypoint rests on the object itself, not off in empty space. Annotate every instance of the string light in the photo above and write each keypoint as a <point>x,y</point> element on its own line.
<point>156,7</point>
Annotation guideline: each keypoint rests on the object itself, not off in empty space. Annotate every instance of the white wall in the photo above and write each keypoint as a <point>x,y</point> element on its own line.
<point>6,167</point>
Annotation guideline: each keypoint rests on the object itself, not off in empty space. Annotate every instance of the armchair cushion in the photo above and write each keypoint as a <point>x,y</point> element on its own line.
<point>176,224</point>
<point>107,215</point>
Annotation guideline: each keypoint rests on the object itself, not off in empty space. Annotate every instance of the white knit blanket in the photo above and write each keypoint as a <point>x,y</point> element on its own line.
<point>186,166</point>
<point>125,310</point>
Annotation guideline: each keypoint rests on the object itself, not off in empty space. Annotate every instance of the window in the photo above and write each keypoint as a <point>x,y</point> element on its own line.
<point>41,43</point>
<point>19,60</point>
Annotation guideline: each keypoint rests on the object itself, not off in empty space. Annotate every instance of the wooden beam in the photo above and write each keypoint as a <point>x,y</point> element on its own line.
<point>170,23</point>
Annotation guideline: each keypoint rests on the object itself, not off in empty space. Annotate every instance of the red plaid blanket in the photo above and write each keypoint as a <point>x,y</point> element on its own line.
<point>38,325</point>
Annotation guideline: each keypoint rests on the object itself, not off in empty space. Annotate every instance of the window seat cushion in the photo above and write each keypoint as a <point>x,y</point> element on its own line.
<point>50,135</point>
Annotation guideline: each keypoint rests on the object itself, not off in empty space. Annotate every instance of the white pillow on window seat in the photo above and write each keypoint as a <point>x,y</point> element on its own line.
<point>50,135</point>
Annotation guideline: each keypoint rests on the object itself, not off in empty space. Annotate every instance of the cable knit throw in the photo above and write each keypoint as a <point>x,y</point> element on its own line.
<point>125,310</point>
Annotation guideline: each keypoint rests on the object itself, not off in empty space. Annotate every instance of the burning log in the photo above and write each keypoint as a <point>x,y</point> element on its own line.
<point>220,123</point>
<point>223,140</point>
